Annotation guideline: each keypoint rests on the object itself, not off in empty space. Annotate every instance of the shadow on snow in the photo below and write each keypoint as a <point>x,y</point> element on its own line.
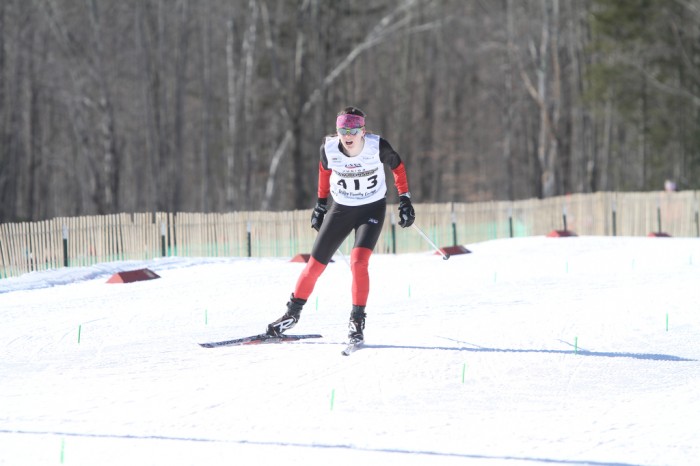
<point>328,446</point>
<point>579,352</point>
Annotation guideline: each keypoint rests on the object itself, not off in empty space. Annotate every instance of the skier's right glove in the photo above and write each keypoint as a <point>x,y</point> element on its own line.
<point>318,214</point>
<point>406,213</point>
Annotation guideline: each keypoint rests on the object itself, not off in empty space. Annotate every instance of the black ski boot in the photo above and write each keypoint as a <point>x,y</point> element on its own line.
<point>357,324</point>
<point>289,319</point>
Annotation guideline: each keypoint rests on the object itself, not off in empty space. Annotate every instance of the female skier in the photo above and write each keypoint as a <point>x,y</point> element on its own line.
<point>352,171</point>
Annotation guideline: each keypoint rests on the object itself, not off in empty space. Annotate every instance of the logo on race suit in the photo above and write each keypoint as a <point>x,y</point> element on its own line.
<point>350,166</point>
<point>373,220</point>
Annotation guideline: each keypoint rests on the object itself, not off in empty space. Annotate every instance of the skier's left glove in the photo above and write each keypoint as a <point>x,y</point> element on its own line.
<point>318,214</point>
<point>406,213</point>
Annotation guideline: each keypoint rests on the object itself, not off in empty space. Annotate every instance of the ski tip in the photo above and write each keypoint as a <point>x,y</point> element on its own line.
<point>258,339</point>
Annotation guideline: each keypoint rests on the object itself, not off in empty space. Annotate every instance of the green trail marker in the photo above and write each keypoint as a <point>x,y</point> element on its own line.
<point>63,448</point>
<point>464,371</point>
<point>332,398</point>
<point>80,329</point>
<point>206,317</point>
<point>667,321</point>
<point>576,345</point>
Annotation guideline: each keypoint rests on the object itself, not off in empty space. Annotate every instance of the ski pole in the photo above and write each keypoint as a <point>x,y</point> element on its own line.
<point>343,257</point>
<point>444,256</point>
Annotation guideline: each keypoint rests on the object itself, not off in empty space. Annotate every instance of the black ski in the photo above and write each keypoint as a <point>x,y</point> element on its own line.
<point>352,347</point>
<point>263,338</point>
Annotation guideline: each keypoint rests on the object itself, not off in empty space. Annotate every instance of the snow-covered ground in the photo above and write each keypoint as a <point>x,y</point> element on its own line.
<point>557,351</point>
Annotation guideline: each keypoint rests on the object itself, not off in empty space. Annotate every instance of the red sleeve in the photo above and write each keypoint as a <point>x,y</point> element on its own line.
<point>324,181</point>
<point>400,178</point>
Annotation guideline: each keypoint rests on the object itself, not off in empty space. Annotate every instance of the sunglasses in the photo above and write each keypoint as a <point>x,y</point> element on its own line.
<point>352,131</point>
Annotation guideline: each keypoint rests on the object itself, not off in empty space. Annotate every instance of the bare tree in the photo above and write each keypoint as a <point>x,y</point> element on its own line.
<point>545,90</point>
<point>107,173</point>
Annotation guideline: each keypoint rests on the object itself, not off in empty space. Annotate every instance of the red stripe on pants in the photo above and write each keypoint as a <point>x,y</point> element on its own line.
<point>359,264</point>
<point>307,279</point>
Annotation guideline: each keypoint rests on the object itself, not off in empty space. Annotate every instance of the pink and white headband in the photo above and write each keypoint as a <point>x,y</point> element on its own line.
<point>349,121</point>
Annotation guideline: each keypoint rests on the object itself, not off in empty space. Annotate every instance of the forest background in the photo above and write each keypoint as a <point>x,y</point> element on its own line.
<point>221,105</point>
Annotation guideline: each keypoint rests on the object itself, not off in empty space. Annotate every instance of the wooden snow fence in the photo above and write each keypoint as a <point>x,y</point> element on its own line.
<point>87,240</point>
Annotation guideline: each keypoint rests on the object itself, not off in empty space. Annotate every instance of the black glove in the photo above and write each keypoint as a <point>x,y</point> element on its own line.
<point>406,213</point>
<point>318,214</point>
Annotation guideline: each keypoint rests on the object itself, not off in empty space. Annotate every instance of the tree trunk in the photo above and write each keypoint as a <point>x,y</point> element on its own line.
<point>206,84</point>
<point>250,134</point>
<point>507,112</point>
<point>178,169</point>
<point>232,120</point>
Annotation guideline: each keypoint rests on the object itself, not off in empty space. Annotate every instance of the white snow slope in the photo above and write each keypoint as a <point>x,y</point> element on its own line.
<point>550,351</point>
